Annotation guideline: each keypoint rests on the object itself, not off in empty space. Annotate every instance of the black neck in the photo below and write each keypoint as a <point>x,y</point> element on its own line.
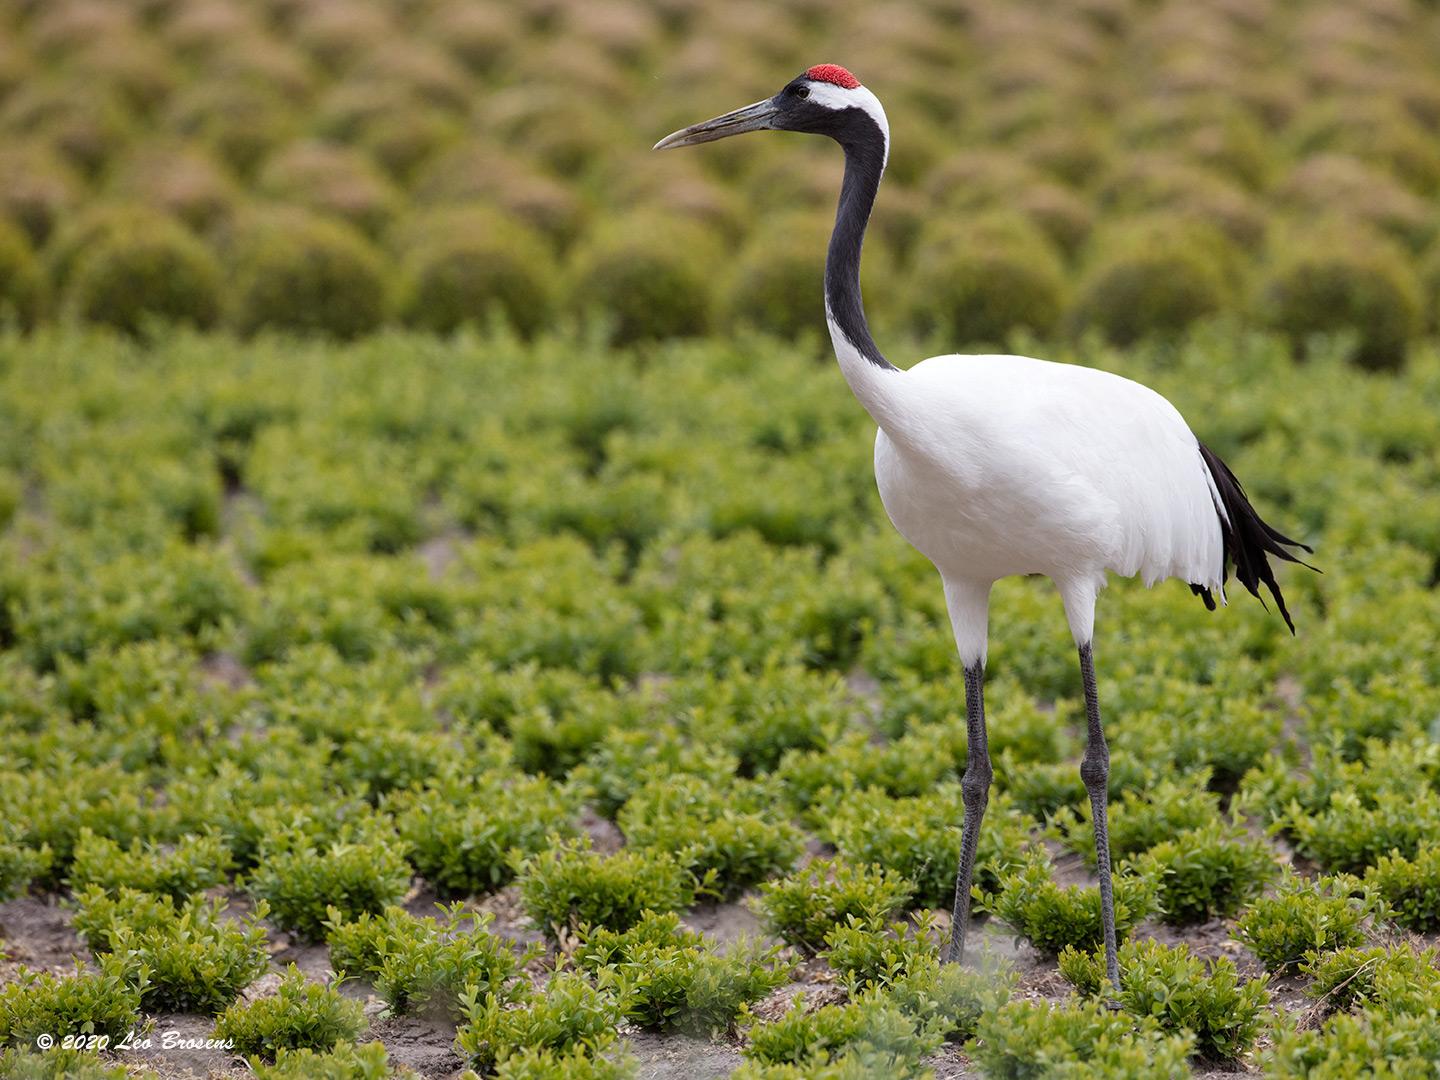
<point>864,145</point>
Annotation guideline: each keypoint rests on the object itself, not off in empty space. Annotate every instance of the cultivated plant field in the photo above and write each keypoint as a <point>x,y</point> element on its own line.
<point>579,705</point>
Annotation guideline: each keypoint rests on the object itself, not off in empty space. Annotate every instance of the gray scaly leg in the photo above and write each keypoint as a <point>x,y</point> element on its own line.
<point>975,789</point>
<point>1095,772</point>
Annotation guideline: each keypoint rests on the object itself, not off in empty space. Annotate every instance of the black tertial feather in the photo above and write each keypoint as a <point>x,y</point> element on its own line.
<point>1247,540</point>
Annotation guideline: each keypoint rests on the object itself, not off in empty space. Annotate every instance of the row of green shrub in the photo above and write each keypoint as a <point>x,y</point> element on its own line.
<point>980,282</point>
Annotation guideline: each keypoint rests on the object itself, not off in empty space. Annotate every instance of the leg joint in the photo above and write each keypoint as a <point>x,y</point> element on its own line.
<point>1095,767</point>
<point>975,784</point>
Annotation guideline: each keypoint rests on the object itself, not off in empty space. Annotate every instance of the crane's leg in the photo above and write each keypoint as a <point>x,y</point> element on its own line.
<point>1095,772</point>
<point>975,791</point>
<point>969,611</point>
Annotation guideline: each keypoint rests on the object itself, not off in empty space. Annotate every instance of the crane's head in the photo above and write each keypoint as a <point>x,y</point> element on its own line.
<point>824,100</point>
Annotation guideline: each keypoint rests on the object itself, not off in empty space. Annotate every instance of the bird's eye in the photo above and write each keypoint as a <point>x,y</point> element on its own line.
<point>802,91</point>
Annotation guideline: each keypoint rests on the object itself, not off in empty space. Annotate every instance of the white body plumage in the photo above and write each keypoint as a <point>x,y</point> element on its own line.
<point>993,466</point>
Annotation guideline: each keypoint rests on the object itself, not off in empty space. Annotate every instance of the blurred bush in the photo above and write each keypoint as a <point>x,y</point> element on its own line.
<point>1091,123</point>
<point>19,277</point>
<point>1153,279</point>
<point>978,281</point>
<point>139,269</point>
<point>464,264</point>
<point>300,272</point>
<point>1345,278</point>
<point>652,275</point>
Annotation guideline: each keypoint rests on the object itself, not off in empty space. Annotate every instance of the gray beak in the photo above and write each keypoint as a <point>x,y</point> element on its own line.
<point>751,118</point>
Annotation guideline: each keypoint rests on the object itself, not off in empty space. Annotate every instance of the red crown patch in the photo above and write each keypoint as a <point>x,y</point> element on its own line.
<point>833,73</point>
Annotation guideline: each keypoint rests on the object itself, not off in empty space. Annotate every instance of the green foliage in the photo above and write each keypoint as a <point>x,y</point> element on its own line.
<point>674,979</point>
<point>1352,834</point>
<point>414,962</point>
<point>949,999</point>
<point>58,1064</point>
<point>651,276</point>
<point>20,281</point>
<point>301,882</point>
<point>19,865</point>
<point>569,886</point>
<point>868,1028</point>
<point>982,280</point>
<point>1304,918</point>
<point>722,834</point>
<point>463,837</point>
<point>826,893</point>
<point>1410,888</point>
<point>146,270</point>
<point>1033,1038</point>
<point>575,1064</point>
<point>571,1015</point>
<point>301,1015</point>
<point>191,960</point>
<point>1389,1045</point>
<point>1345,280</point>
<point>1182,993</point>
<point>1153,280</point>
<point>192,865</point>
<point>1140,819</point>
<point>920,838</point>
<point>1395,979</point>
<point>345,1061</point>
<point>103,1003</point>
<point>1208,873</point>
<point>307,275</point>
<point>1052,916</point>
<point>464,265</point>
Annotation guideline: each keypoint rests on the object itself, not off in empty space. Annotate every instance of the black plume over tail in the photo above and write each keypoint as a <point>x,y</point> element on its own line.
<point>1247,540</point>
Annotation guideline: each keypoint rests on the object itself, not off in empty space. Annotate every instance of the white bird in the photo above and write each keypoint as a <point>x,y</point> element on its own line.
<point>993,466</point>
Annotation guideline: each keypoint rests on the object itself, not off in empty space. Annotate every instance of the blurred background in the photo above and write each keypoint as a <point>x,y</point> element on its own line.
<point>1118,167</point>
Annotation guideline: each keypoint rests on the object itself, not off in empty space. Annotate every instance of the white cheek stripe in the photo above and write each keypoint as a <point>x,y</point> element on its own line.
<point>837,97</point>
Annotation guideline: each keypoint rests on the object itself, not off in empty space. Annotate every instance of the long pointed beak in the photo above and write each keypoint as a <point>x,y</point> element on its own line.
<point>754,117</point>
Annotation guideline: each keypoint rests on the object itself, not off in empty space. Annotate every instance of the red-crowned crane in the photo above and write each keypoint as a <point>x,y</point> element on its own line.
<point>1000,465</point>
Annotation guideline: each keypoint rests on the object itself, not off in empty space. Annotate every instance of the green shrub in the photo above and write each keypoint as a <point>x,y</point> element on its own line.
<point>463,837</point>
<point>191,865</point>
<point>19,277</point>
<point>19,864</point>
<point>672,978</point>
<point>180,180</point>
<point>804,907</point>
<point>414,962</point>
<point>198,961</point>
<point>870,953</point>
<point>1396,979</point>
<point>300,882</point>
<point>1373,1043</point>
<point>777,283</point>
<point>306,274</point>
<point>104,1003</point>
<point>571,1015</point>
<point>465,264</point>
<point>58,1064</point>
<point>335,181</point>
<point>1304,918</point>
<point>158,271</point>
<point>719,833</point>
<point>1340,279</point>
<point>1140,819</point>
<point>870,1027</point>
<point>98,914</point>
<point>1182,993</point>
<point>920,838</point>
<point>1352,834</point>
<point>1025,1039</point>
<point>949,999</point>
<point>37,188</point>
<point>984,279</point>
<point>570,886</point>
<point>651,277</point>
<point>1208,873</point>
<point>1411,887</point>
<point>575,1064</point>
<point>301,1015</point>
<point>345,1061</point>
<point>1052,916</point>
<point>1153,279</point>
